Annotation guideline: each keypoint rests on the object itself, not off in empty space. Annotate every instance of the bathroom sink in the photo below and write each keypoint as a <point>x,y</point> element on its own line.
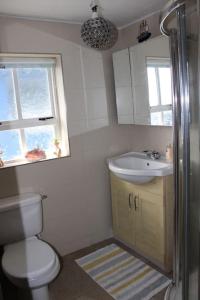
<point>136,167</point>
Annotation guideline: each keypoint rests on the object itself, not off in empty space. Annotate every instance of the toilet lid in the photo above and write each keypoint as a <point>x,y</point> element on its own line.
<point>28,259</point>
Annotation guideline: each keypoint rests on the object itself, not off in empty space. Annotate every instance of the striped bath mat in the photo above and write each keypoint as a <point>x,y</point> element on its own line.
<point>122,275</point>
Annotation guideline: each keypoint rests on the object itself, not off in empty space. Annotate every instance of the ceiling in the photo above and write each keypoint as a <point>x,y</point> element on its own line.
<point>121,12</point>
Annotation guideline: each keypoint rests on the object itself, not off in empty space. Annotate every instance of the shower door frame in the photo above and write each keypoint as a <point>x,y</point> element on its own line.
<point>181,137</point>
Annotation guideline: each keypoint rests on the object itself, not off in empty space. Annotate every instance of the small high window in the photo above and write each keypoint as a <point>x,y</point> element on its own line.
<point>32,109</point>
<point>160,92</point>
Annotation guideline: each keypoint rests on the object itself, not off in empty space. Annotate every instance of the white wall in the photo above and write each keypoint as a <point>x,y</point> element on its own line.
<point>77,212</point>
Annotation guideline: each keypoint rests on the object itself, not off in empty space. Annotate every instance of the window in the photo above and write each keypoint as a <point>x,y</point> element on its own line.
<point>160,93</point>
<point>32,115</point>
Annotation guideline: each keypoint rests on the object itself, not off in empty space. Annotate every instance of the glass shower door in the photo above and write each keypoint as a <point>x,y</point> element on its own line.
<point>180,21</point>
<point>193,242</point>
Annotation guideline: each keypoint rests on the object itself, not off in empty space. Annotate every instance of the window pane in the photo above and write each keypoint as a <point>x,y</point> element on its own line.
<point>34,92</point>
<point>152,84</point>
<point>156,118</point>
<point>7,97</point>
<point>167,118</point>
<point>165,85</point>
<point>10,144</point>
<point>40,137</point>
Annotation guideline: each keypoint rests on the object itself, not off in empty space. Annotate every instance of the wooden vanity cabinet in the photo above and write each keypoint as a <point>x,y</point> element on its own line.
<point>143,218</point>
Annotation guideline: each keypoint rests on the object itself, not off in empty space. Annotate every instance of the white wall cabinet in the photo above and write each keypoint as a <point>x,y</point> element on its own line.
<point>131,81</point>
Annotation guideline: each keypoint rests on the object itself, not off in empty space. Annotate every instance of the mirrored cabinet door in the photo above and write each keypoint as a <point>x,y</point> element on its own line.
<point>123,87</point>
<point>143,83</point>
<point>139,85</point>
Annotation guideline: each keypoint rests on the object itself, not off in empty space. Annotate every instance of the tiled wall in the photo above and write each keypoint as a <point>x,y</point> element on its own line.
<point>77,212</point>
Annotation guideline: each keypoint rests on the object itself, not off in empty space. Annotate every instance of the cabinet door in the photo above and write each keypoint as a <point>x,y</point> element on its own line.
<point>140,85</point>
<point>123,88</point>
<point>149,225</point>
<point>122,69</point>
<point>122,209</point>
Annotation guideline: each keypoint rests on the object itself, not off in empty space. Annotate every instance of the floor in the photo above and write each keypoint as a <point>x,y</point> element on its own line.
<point>74,284</point>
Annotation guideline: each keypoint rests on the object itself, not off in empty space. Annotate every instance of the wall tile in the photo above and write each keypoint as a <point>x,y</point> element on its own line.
<point>93,68</point>
<point>96,103</point>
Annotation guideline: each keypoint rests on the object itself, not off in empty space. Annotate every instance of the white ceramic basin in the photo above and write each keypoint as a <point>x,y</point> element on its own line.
<point>138,168</point>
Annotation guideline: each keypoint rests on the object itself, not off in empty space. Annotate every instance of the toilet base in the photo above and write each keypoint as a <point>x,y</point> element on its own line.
<point>34,294</point>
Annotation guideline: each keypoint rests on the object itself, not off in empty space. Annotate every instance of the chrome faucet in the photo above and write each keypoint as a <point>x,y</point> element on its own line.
<point>152,154</point>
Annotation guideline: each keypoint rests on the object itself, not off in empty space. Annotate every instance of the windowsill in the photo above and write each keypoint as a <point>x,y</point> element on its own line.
<point>27,162</point>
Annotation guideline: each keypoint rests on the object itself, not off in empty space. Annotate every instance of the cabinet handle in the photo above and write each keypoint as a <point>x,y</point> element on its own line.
<point>129,200</point>
<point>135,202</point>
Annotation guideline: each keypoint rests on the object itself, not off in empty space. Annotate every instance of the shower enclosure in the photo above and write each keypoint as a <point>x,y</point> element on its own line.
<point>180,21</point>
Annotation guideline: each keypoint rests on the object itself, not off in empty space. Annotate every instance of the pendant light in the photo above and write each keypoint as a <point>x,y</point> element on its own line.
<point>98,32</point>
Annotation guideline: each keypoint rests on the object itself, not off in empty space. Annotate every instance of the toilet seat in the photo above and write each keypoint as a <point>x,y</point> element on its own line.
<point>30,263</point>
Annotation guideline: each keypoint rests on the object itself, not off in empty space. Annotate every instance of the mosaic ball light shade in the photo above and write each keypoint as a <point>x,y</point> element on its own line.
<point>99,33</point>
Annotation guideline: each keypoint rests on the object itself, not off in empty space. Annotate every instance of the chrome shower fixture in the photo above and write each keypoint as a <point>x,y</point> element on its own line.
<point>98,32</point>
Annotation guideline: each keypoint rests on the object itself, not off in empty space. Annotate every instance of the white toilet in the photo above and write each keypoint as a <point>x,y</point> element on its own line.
<point>28,262</point>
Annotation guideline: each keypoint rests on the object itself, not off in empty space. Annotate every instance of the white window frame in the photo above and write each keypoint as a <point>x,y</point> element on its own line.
<point>58,106</point>
<point>158,62</point>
